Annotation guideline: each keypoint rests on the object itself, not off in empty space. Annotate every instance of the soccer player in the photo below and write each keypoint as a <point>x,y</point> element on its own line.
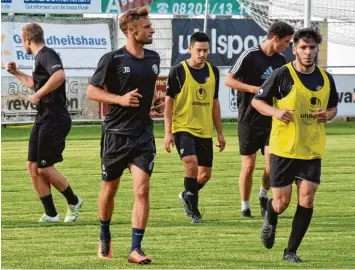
<point>125,79</point>
<point>191,107</point>
<point>300,97</point>
<point>248,73</point>
<point>51,126</point>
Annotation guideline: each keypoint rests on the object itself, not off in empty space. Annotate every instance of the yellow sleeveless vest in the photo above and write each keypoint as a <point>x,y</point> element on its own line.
<point>192,110</point>
<point>304,136</point>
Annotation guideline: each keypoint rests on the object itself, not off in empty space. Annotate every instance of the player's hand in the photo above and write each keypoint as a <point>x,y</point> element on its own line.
<point>284,115</point>
<point>159,105</point>
<point>221,142</point>
<point>321,115</point>
<point>34,99</point>
<point>131,99</point>
<point>168,141</point>
<point>11,67</point>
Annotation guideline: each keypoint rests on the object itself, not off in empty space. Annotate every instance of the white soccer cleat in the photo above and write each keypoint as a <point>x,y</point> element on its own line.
<point>46,218</point>
<point>73,211</point>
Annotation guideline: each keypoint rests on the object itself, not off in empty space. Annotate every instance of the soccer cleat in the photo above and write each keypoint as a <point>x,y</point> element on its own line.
<point>183,200</point>
<point>138,256</point>
<point>46,218</point>
<point>196,219</point>
<point>291,257</point>
<point>263,204</point>
<point>268,233</point>
<point>73,211</point>
<point>246,213</point>
<point>104,251</point>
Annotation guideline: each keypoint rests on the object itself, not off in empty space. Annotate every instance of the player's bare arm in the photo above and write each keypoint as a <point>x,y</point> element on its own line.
<point>217,120</point>
<point>284,115</point>
<point>168,116</point>
<point>233,83</point>
<point>52,84</point>
<point>24,78</point>
<point>131,99</point>
<point>158,102</point>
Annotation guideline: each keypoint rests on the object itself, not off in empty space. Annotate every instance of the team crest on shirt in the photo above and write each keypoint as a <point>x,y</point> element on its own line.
<point>201,94</point>
<point>155,69</point>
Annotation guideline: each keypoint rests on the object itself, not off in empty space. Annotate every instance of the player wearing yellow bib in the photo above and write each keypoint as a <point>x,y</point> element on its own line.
<point>300,97</point>
<point>192,106</point>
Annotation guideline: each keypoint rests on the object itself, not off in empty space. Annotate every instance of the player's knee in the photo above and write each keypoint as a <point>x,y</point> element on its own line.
<point>142,192</point>
<point>280,205</point>
<point>191,167</point>
<point>248,169</point>
<point>204,176</point>
<point>32,168</point>
<point>306,200</point>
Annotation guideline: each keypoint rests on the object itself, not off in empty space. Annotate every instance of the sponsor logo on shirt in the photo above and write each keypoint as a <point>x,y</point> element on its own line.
<point>267,73</point>
<point>155,69</point>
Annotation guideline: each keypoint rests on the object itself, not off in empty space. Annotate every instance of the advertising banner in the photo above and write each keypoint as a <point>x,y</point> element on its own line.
<point>16,108</point>
<point>229,39</point>
<point>78,45</point>
<point>51,6</point>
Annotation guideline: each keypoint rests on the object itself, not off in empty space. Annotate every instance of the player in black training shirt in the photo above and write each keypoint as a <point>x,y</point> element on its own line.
<point>248,73</point>
<point>125,79</point>
<point>192,107</point>
<point>52,123</point>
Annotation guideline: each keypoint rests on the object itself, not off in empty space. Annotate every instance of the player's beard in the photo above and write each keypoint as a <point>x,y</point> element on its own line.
<point>306,65</point>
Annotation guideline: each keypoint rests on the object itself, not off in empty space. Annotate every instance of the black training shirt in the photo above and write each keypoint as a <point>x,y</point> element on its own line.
<point>120,72</point>
<point>51,107</point>
<point>253,67</point>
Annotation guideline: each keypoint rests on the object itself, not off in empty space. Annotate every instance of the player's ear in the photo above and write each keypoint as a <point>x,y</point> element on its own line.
<point>190,48</point>
<point>294,49</point>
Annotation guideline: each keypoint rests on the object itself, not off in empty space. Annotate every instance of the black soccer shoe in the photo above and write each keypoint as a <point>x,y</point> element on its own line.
<point>246,213</point>
<point>268,233</point>
<point>291,257</point>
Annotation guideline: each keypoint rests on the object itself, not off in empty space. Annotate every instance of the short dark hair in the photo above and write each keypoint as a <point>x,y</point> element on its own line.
<point>199,37</point>
<point>308,33</point>
<point>280,29</point>
<point>33,32</point>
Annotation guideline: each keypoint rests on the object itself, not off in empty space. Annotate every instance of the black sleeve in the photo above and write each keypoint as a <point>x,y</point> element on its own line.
<point>51,62</point>
<point>216,75</point>
<point>241,66</point>
<point>333,95</point>
<point>176,79</point>
<point>99,79</point>
<point>269,88</point>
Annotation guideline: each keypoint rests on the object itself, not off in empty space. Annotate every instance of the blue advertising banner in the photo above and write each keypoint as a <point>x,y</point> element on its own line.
<point>229,39</point>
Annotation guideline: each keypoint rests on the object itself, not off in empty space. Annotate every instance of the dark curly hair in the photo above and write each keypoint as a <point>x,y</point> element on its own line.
<point>306,34</point>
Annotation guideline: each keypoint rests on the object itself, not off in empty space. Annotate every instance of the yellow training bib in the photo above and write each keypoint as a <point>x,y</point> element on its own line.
<point>192,110</point>
<point>304,136</point>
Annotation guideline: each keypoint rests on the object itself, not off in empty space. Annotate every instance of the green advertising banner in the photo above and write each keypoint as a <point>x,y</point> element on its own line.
<point>181,7</point>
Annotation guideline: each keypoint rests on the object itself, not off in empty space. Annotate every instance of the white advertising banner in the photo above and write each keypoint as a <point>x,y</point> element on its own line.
<point>345,86</point>
<point>51,6</point>
<point>16,108</point>
<point>78,45</point>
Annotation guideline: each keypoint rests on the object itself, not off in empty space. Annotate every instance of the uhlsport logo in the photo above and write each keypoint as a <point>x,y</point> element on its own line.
<point>155,69</point>
<point>314,103</point>
<point>201,94</point>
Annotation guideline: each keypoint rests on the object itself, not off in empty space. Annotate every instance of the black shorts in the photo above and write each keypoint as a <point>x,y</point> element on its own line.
<point>283,171</point>
<point>47,143</point>
<point>189,145</point>
<point>117,151</point>
<point>252,139</point>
